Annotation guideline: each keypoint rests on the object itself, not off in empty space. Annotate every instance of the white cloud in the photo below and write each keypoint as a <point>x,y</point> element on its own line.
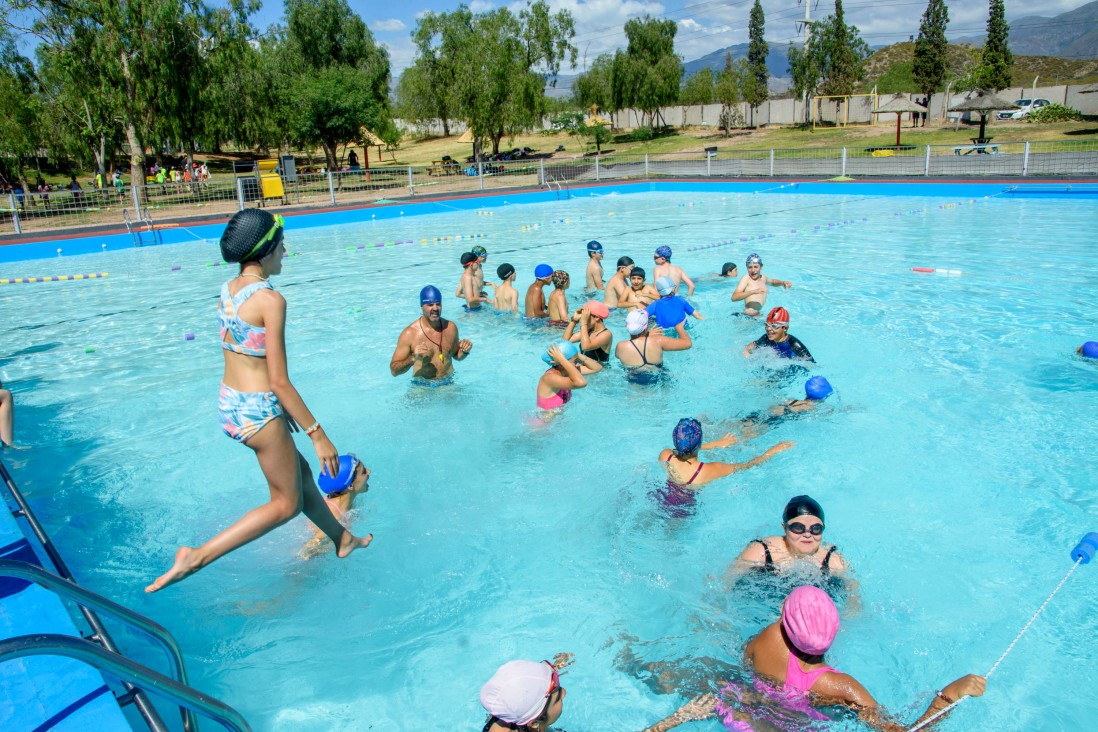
<point>689,24</point>
<point>393,24</point>
<point>481,6</point>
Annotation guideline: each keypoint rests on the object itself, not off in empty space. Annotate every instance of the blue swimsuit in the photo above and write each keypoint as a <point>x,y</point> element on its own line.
<point>244,413</point>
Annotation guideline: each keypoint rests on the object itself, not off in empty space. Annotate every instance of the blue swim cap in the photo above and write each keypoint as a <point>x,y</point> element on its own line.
<point>665,286</point>
<point>817,388</point>
<point>687,436</point>
<point>428,294</point>
<point>543,271</point>
<point>754,259</point>
<point>594,246</point>
<point>1090,349</point>
<point>341,482</point>
<point>664,251</point>
<point>568,348</point>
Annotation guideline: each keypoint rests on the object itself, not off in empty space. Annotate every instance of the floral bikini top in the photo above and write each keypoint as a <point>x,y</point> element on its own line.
<point>244,338</point>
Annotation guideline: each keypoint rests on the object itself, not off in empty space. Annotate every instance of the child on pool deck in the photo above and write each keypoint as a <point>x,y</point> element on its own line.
<point>339,493</point>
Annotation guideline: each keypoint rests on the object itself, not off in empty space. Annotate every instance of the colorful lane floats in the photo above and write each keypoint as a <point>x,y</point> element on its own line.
<point>54,278</point>
<point>432,240</point>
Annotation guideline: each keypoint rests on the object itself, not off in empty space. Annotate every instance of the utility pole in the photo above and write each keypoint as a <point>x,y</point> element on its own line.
<point>805,26</point>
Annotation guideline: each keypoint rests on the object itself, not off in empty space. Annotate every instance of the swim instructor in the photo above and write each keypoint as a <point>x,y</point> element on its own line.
<point>430,345</point>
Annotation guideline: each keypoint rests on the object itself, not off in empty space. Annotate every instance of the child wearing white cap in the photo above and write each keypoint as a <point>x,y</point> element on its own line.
<point>525,695</point>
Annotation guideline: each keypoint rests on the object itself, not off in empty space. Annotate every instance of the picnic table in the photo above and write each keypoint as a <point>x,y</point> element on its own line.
<point>980,145</point>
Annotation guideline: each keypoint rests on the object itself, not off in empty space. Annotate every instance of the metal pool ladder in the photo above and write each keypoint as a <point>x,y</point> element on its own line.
<point>562,190</point>
<point>148,235</point>
<point>99,650</point>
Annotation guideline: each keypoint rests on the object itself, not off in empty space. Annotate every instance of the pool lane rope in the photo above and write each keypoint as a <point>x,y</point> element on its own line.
<point>54,278</point>
<point>1083,552</point>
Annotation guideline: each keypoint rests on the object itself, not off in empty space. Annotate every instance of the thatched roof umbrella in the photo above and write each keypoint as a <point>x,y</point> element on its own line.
<point>898,104</point>
<point>466,137</point>
<point>983,102</point>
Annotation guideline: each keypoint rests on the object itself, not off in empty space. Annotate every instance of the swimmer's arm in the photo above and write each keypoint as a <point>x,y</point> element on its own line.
<point>682,343</point>
<point>588,365</point>
<point>689,283</point>
<point>572,378</point>
<point>727,441</point>
<point>780,283</point>
<point>723,469</point>
<point>740,293</point>
<point>278,375</point>
<point>700,707</point>
<point>403,358</point>
<point>749,348</point>
<point>751,556</point>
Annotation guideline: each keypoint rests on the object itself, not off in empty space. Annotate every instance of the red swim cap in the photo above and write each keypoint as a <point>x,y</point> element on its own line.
<point>778,315</point>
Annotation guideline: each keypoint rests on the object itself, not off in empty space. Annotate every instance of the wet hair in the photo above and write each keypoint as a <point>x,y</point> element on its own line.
<point>624,261</point>
<point>638,272</point>
<point>244,231</point>
<point>726,268</point>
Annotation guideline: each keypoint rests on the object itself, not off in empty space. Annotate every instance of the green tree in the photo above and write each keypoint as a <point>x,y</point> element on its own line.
<point>757,91</point>
<point>844,51</point>
<point>995,72</point>
<point>20,112</point>
<point>646,74</point>
<point>593,88</point>
<point>728,94</point>
<point>698,88</point>
<point>341,77</point>
<point>429,92</point>
<point>929,68</point>
<point>805,70</point>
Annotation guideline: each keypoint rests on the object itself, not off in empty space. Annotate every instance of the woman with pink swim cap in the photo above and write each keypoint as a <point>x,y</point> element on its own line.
<point>789,654</point>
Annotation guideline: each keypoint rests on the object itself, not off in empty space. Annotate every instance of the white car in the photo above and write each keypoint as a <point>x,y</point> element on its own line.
<point>1027,106</point>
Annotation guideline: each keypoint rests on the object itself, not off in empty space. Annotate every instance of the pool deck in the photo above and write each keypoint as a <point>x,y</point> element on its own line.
<point>87,240</point>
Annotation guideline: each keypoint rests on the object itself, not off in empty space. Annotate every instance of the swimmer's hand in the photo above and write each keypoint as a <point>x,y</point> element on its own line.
<point>700,707</point>
<point>726,441</point>
<point>326,452</point>
<point>563,660</point>
<point>655,330</point>
<point>968,685</point>
<point>421,352</point>
<point>464,346</point>
<point>781,447</point>
<point>556,354</point>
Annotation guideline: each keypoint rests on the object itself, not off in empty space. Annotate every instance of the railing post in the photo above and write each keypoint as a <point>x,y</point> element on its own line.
<point>646,166</point>
<point>771,162</point>
<point>411,182</point>
<point>14,213</point>
<point>541,173</point>
<point>480,172</point>
<point>926,162</point>
<point>844,162</point>
<point>708,166</point>
<point>331,189</point>
<point>596,167</point>
<point>1025,161</point>
<point>240,192</point>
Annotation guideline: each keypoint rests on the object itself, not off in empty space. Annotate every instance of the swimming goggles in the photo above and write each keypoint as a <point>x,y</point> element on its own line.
<point>554,681</point>
<point>798,528</point>
<point>278,224</point>
<point>775,326</point>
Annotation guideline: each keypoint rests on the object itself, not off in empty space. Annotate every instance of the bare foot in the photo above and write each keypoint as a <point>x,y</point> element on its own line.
<point>184,567</point>
<point>351,542</point>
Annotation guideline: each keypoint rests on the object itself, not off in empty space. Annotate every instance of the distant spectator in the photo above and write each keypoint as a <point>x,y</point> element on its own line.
<point>352,160</point>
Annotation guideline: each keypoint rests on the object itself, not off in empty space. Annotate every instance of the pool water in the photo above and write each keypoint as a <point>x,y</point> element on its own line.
<point>955,462</point>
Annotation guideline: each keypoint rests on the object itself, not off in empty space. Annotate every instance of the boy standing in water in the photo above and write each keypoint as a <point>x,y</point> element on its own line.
<point>752,286</point>
<point>618,284</point>
<point>506,300</point>
<point>664,268</point>
<point>535,295</point>
<point>468,287</point>
<point>638,294</point>
<point>558,301</point>
<point>594,265</point>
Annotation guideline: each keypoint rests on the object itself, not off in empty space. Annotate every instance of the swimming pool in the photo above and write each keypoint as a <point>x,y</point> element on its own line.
<point>955,465</point>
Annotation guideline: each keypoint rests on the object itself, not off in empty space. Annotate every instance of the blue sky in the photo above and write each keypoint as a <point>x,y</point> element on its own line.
<point>703,27</point>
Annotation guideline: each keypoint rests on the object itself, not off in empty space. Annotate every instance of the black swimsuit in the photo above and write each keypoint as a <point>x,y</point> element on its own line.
<point>640,352</point>
<point>768,561</point>
<point>598,354</point>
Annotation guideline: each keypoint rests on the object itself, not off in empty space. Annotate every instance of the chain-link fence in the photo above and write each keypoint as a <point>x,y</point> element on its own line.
<point>22,213</point>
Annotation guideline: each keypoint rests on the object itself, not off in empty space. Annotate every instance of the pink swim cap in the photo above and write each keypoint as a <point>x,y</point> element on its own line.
<point>598,309</point>
<point>810,620</point>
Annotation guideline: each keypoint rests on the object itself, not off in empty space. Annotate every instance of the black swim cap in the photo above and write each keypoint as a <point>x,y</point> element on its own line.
<point>504,271</point>
<point>726,268</point>
<point>802,506</point>
<point>637,272</point>
<point>624,261</point>
<point>468,258</point>
<point>245,230</point>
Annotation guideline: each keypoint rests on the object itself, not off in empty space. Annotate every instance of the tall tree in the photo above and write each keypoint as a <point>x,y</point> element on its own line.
<point>20,112</point>
<point>646,74</point>
<point>593,88</point>
<point>844,58</point>
<point>929,68</point>
<point>758,91</point>
<point>805,70</point>
<point>995,63</point>
<point>728,94</point>
<point>341,76</point>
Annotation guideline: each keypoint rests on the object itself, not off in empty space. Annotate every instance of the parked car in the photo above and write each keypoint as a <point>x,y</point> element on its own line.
<point>1027,106</point>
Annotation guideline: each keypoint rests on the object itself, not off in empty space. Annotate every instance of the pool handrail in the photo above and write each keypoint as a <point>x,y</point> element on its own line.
<point>85,598</point>
<point>99,632</point>
<point>130,672</point>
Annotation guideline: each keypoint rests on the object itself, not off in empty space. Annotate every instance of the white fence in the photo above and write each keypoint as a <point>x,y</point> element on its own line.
<point>30,212</point>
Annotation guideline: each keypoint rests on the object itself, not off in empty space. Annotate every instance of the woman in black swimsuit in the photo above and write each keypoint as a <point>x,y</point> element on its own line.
<point>594,337</point>
<point>801,540</point>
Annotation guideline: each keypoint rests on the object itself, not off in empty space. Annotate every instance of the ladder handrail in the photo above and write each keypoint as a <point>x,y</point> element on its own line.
<point>86,598</point>
<point>50,644</point>
<point>144,706</point>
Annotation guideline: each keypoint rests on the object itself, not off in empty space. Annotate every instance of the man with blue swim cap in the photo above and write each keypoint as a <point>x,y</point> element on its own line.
<point>430,345</point>
<point>1088,349</point>
<point>594,266</point>
<point>670,309</point>
<point>535,294</point>
<point>664,268</point>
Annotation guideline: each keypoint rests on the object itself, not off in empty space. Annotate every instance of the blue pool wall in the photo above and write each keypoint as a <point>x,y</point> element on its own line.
<point>46,247</point>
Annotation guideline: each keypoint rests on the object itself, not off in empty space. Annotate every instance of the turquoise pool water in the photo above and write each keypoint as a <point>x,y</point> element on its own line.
<point>956,465</point>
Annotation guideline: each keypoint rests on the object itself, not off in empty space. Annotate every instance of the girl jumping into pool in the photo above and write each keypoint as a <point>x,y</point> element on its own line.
<point>259,406</point>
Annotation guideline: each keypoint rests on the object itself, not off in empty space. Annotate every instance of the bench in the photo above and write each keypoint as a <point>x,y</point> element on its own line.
<point>710,152</point>
<point>987,149</point>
